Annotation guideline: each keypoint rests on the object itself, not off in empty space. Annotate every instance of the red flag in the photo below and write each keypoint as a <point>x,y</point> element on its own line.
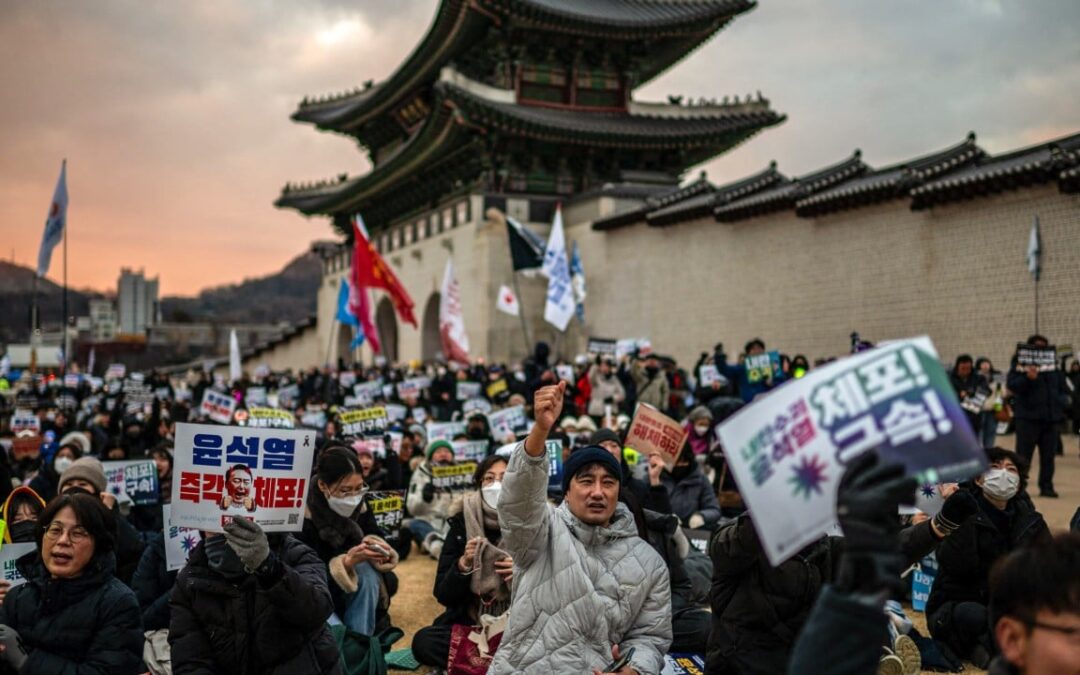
<point>369,270</point>
<point>362,310</point>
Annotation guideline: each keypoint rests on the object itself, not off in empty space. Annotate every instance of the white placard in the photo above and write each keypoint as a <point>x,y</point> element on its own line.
<point>179,541</point>
<point>217,406</point>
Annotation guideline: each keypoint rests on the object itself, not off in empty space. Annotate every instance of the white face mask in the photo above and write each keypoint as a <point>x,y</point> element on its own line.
<point>1000,484</point>
<point>344,506</point>
<point>61,464</point>
<point>490,493</point>
<point>702,430</point>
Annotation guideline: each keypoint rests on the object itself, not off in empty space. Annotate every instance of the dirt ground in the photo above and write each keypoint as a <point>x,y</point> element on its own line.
<point>414,606</point>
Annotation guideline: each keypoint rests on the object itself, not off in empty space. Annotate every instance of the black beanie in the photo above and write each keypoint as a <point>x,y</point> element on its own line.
<point>601,435</point>
<point>589,455</point>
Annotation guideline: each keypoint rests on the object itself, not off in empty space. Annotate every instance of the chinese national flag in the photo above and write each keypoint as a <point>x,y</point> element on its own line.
<point>369,270</point>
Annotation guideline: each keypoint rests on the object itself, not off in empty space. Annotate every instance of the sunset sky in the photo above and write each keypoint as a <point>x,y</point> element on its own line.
<point>174,116</point>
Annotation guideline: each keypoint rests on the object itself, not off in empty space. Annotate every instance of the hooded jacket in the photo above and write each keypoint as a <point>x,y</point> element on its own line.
<point>8,515</point>
<point>434,512</point>
<point>90,624</point>
<point>578,588</point>
<point>693,493</point>
<point>244,627</point>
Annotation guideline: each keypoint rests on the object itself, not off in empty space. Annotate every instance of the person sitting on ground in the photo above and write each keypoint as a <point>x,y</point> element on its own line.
<point>956,611</point>
<point>652,495</point>
<point>247,602</point>
<point>72,615</point>
<point>1035,609</point>
<point>153,584</point>
<point>47,480</point>
<point>690,493</point>
<point>428,507</point>
<point>698,425</point>
<point>586,588</point>
<point>342,531</point>
<point>474,574</point>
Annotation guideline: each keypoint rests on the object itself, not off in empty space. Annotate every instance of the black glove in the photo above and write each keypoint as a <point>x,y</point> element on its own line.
<point>14,652</point>
<point>957,508</point>
<point>866,504</point>
<point>428,493</point>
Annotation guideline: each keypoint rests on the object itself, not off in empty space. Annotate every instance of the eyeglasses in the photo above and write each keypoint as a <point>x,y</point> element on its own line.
<point>349,492</point>
<point>1071,632</point>
<point>76,535</point>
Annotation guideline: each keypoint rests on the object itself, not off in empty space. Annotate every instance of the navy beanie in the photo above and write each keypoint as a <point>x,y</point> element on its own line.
<point>589,455</point>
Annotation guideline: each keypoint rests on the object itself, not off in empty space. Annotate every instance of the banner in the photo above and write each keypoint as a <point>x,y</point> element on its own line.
<point>496,388</point>
<point>217,406</point>
<point>507,422</point>
<point>452,334</point>
<point>388,507</point>
<point>289,396</point>
<point>453,478</point>
<point>228,472</point>
<point>1045,358</point>
<point>467,390</point>
<point>135,478</point>
<point>313,419</point>
<point>179,541</point>
<point>787,451</point>
<point>443,431</point>
<point>652,431</point>
<point>368,392</point>
<point>600,346</point>
<point>411,388</point>
<point>8,555</point>
<point>763,366</point>
<point>709,375</point>
<point>628,346</point>
<point>470,451</point>
<point>362,422</point>
<point>396,412</point>
<point>270,418</point>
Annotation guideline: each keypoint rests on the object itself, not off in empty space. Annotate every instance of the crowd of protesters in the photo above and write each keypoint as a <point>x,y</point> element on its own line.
<point>626,562</point>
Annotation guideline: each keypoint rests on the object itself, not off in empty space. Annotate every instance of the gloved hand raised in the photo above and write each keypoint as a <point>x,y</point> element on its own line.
<point>248,541</point>
<point>11,647</point>
<point>867,506</point>
<point>957,508</point>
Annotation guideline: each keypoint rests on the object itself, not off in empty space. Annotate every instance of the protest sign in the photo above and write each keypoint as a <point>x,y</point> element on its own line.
<point>1044,358</point>
<point>368,392</point>
<point>115,371</point>
<point>353,402</point>
<point>362,422</point>
<point>600,346</point>
<point>555,463</point>
<point>683,664</point>
<point>410,388</point>
<point>347,379</point>
<point>289,396</point>
<point>395,440</point>
<point>476,405</point>
<point>376,445</point>
<point>137,479</point>
<point>135,391</point>
<point>699,539</point>
<point>494,389</point>
<point>387,391</point>
<point>453,478</point>
<point>922,580</point>
<point>396,412</point>
<point>565,372</point>
<point>23,420</point>
<point>710,374</point>
<point>72,380</point>
<point>762,366</point>
<point>218,406</point>
<point>444,431</point>
<point>26,445</point>
<point>179,541</point>
<point>653,431</point>
<point>255,396</point>
<point>162,393</point>
<point>313,419</point>
<point>470,451</point>
<point>973,403</point>
<point>270,418</point>
<point>628,346</point>
<point>419,414</point>
<point>239,472</point>
<point>8,555</point>
<point>787,451</point>
<point>467,390</point>
<point>506,423</point>
<point>388,507</point>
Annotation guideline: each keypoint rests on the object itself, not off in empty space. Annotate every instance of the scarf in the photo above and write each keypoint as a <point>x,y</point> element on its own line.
<point>339,532</point>
<point>488,586</point>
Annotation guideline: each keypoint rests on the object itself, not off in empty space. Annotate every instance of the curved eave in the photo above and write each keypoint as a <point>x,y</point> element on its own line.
<point>785,195</point>
<point>620,19</point>
<point>988,178</point>
<point>1069,180</point>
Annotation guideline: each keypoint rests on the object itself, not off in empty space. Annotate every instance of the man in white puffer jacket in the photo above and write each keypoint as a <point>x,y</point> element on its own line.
<point>586,587</point>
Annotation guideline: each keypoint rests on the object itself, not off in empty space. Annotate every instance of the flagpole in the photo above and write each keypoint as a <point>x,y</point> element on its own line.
<point>1037,308</point>
<point>33,327</point>
<point>64,303</point>
<point>521,314</point>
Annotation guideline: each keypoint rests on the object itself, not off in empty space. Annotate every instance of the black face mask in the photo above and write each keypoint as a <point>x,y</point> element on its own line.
<point>222,559</point>
<point>23,532</point>
<point>476,433</point>
<point>680,472</point>
<point>652,370</point>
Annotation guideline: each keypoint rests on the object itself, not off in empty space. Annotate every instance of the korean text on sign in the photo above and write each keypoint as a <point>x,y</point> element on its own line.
<point>651,431</point>
<point>453,478</point>
<point>218,406</point>
<point>270,418</point>
<point>229,472</point>
<point>388,507</point>
<point>362,422</point>
<point>137,479</point>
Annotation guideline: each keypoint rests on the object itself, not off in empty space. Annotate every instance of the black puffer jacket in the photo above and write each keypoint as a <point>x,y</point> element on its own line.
<point>249,628</point>
<point>152,584</point>
<point>1043,399</point>
<point>88,625</point>
<point>965,558</point>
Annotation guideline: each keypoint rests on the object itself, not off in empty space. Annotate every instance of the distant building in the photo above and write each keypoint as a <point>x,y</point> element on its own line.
<point>137,302</point>
<point>102,320</point>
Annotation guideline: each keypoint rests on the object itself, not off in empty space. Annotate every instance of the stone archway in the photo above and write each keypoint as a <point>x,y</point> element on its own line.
<point>430,342</point>
<point>387,329</point>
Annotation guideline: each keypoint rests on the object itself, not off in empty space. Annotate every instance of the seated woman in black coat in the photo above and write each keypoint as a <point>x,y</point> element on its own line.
<point>341,529</point>
<point>474,575</point>
<point>956,611</point>
<point>72,614</point>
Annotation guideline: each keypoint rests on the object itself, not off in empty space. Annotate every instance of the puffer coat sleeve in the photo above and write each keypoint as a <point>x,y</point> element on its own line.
<point>523,507</point>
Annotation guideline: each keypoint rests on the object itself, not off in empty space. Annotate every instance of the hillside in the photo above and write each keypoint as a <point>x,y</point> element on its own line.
<point>16,298</point>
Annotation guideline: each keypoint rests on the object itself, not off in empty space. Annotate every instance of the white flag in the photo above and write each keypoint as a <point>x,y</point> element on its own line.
<point>559,307</point>
<point>1034,252</point>
<point>54,223</point>
<point>507,302</point>
<point>234,357</point>
<point>455,341</point>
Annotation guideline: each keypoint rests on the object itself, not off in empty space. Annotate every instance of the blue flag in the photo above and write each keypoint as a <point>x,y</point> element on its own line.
<point>346,317</point>
<point>54,222</point>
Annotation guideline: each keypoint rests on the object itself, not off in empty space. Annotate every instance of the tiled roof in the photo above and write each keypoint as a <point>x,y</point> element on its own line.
<point>604,17</point>
<point>785,194</point>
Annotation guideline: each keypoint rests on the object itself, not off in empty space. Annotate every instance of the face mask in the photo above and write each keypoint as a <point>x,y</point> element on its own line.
<point>222,559</point>
<point>23,532</point>
<point>1000,484</point>
<point>490,494</point>
<point>702,430</point>
<point>344,506</point>
<point>61,464</point>
<point>652,370</point>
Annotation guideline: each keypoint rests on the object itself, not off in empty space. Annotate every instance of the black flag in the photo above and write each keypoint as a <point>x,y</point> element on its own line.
<point>526,248</point>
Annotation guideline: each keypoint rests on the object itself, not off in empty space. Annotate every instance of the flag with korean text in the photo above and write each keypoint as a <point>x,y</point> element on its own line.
<point>222,473</point>
<point>559,307</point>
<point>787,451</point>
